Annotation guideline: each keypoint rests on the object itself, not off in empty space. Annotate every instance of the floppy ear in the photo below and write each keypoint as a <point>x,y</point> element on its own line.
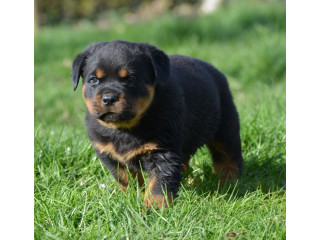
<point>79,62</point>
<point>76,71</point>
<point>160,62</point>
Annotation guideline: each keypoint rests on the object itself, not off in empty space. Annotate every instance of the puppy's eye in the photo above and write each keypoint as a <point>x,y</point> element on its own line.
<point>131,78</point>
<point>94,81</point>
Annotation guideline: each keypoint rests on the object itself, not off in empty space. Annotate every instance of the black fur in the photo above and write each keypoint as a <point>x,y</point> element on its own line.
<point>191,106</point>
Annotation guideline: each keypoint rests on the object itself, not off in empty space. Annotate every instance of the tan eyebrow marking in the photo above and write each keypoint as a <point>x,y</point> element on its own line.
<point>123,73</point>
<point>100,73</point>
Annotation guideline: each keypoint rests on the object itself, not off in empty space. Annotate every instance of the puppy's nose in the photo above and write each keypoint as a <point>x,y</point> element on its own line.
<point>109,98</point>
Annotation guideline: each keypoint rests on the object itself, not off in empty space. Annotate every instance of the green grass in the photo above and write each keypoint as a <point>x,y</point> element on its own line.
<point>76,197</point>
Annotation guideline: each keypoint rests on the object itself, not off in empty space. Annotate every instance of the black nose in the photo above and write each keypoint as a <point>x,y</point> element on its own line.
<point>109,99</point>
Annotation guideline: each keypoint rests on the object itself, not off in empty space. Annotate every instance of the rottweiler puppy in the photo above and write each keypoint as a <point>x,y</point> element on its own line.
<point>147,111</point>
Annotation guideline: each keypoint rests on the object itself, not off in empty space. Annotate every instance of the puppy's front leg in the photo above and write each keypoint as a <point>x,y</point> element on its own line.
<point>116,169</point>
<point>164,179</point>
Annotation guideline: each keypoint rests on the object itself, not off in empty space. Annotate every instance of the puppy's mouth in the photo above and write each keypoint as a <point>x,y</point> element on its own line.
<point>107,117</point>
<point>116,117</point>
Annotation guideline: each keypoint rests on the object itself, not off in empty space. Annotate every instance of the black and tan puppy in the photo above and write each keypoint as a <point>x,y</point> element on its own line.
<point>149,111</point>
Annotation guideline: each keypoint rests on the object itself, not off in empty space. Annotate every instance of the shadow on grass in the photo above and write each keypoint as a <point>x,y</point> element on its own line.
<point>267,174</point>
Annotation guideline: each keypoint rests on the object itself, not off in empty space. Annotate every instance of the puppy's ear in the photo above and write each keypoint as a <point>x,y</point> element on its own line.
<point>79,62</point>
<point>160,63</point>
<point>77,67</point>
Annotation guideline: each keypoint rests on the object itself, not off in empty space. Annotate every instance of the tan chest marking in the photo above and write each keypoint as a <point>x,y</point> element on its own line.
<point>127,156</point>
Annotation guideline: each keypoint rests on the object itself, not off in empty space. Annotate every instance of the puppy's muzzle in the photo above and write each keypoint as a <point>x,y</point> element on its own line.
<point>109,99</point>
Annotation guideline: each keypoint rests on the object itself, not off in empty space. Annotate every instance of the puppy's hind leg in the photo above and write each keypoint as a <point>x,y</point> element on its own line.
<point>227,160</point>
<point>226,145</point>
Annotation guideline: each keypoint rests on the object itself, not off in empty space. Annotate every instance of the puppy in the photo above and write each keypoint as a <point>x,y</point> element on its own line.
<point>147,111</point>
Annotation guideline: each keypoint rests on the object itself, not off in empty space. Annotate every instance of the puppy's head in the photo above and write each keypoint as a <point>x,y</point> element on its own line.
<point>119,80</point>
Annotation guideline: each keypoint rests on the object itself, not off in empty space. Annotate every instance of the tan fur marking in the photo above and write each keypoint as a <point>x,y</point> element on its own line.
<point>87,101</point>
<point>151,183</point>
<point>127,156</point>
<point>185,167</point>
<point>123,73</point>
<point>118,107</point>
<point>147,197</point>
<point>97,103</point>
<point>227,169</point>
<point>158,199</point>
<point>161,201</point>
<point>115,125</point>
<point>139,176</point>
<point>100,73</point>
<point>122,175</point>
<point>141,106</point>
<point>123,178</point>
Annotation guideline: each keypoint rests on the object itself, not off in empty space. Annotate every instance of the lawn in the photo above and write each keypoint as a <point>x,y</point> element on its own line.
<point>75,197</point>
